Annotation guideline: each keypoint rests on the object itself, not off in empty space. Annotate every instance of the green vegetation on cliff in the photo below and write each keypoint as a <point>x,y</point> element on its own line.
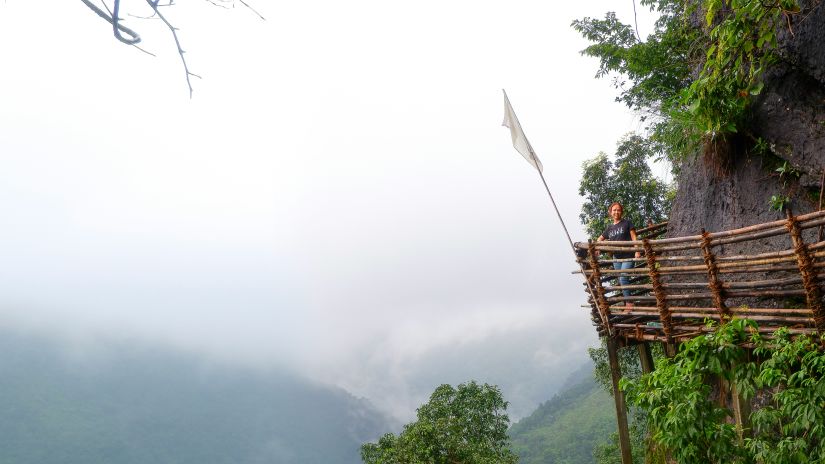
<point>786,374</point>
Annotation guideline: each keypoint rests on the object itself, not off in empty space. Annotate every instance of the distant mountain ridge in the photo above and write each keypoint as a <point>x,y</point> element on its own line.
<point>138,406</point>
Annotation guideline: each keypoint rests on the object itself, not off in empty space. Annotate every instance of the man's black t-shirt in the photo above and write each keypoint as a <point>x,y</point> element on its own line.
<point>619,232</point>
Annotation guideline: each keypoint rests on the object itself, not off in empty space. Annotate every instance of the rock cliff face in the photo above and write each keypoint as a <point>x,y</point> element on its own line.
<point>789,115</point>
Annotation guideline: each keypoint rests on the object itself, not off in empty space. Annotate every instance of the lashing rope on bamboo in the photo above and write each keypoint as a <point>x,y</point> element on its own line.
<point>713,278</point>
<point>592,254</point>
<point>813,294</point>
<point>658,291</point>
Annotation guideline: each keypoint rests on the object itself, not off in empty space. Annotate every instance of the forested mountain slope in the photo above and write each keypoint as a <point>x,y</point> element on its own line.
<point>127,405</point>
<point>565,429</point>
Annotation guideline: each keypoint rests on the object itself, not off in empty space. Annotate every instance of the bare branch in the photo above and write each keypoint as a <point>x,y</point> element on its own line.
<point>215,3</point>
<point>133,38</point>
<point>154,5</point>
<point>252,9</point>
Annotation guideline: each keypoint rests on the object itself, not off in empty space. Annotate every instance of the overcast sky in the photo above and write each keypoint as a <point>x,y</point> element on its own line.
<point>338,197</point>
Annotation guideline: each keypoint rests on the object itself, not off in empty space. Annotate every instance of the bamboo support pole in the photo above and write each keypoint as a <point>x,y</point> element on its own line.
<point>601,302</point>
<point>813,294</point>
<point>767,283</point>
<point>805,220</point>
<point>741,413</point>
<point>770,254</point>
<point>755,265</point>
<point>714,283</point>
<point>707,295</point>
<point>717,317</point>
<point>645,358</point>
<point>661,303</point>
<point>736,311</point>
<point>693,242</point>
<point>701,328</point>
<point>618,397</point>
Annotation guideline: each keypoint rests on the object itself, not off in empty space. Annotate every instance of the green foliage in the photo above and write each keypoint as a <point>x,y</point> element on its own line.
<point>778,202</point>
<point>650,75</point>
<point>742,44</point>
<point>694,428</point>
<point>627,180</point>
<point>695,79</point>
<point>566,428</point>
<point>466,425</point>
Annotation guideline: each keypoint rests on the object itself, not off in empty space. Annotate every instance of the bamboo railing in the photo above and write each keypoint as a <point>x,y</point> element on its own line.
<point>680,283</point>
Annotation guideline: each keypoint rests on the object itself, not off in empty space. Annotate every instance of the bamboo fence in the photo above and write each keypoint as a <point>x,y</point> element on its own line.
<point>680,283</point>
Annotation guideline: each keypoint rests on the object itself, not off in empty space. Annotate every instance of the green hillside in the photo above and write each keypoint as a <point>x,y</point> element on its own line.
<point>128,405</point>
<point>565,429</point>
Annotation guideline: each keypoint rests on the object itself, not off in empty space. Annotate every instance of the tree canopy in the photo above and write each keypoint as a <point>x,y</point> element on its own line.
<point>462,425</point>
<point>627,179</point>
<point>694,78</point>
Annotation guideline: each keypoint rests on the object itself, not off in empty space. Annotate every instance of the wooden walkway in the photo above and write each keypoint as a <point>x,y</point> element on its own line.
<point>680,283</point>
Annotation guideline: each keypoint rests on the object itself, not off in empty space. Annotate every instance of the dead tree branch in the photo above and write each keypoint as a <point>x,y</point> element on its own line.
<point>134,37</point>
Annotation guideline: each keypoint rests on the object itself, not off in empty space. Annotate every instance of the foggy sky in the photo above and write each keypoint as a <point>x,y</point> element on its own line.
<point>338,198</point>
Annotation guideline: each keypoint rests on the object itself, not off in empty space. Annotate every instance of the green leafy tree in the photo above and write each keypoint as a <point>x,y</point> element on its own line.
<point>628,180</point>
<point>651,74</point>
<point>696,74</point>
<point>463,425</point>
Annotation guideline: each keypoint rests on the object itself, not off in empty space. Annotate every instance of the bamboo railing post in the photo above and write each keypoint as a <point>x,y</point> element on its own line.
<point>813,294</point>
<point>658,291</point>
<point>601,300</point>
<point>618,398</point>
<point>713,278</point>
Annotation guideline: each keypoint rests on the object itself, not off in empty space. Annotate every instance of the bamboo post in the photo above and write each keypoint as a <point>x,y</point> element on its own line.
<point>645,357</point>
<point>618,397</point>
<point>658,291</point>
<point>601,300</point>
<point>813,293</point>
<point>713,278</point>
<point>741,413</point>
<point>820,234</point>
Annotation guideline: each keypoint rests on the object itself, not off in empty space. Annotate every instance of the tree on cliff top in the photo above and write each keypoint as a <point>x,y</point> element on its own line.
<point>628,180</point>
<point>463,425</point>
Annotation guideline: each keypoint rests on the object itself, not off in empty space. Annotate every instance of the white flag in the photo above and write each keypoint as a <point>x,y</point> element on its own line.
<point>520,142</point>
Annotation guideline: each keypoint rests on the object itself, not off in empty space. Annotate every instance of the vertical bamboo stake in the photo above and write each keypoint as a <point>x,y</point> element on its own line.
<point>713,278</point>
<point>601,300</point>
<point>741,413</point>
<point>618,398</point>
<point>658,291</point>
<point>813,293</point>
<point>820,235</point>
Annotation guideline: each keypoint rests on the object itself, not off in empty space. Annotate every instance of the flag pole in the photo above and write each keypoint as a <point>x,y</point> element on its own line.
<point>573,247</point>
<point>522,145</point>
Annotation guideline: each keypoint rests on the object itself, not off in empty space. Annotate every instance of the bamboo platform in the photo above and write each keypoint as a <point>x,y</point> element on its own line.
<point>680,283</point>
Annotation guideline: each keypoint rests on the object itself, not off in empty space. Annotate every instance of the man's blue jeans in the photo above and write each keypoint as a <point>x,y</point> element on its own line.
<point>623,278</point>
